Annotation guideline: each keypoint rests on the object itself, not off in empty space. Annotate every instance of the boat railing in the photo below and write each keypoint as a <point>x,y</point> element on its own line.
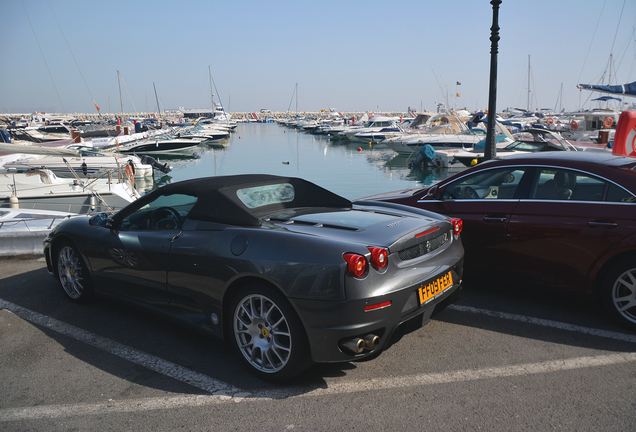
<point>17,222</point>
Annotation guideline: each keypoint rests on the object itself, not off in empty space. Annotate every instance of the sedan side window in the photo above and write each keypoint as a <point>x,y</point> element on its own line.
<point>618,194</point>
<point>554,184</point>
<point>167,212</point>
<point>499,183</point>
<point>562,184</point>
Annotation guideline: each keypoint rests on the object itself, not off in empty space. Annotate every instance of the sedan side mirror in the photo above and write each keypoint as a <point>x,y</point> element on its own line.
<point>432,193</point>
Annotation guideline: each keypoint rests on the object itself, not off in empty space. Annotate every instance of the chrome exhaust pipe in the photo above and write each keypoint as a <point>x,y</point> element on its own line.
<point>355,345</point>
<point>371,341</point>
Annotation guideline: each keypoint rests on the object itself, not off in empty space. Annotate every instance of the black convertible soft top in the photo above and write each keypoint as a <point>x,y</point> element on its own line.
<point>217,199</point>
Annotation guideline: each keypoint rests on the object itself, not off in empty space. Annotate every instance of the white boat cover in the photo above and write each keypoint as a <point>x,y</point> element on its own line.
<point>41,150</point>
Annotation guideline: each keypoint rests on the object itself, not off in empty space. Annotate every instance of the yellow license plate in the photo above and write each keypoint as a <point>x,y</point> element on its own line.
<point>432,289</point>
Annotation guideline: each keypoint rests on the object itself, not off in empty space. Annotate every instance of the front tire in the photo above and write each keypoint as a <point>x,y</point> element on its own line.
<point>72,273</point>
<point>268,334</point>
<point>619,292</point>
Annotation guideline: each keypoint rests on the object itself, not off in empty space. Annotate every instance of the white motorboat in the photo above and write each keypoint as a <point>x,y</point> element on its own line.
<point>19,220</point>
<point>375,136</point>
<point>542,140</point>
<point>88,162</point>
<point>22,231</point>
<point>42,189</point>
<point>375,124</point>
<point>207,135</point>
<point>447,131</point>
<point>174,146</point>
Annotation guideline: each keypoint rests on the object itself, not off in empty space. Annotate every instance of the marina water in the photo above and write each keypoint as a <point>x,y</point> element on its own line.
<point>350,169</point>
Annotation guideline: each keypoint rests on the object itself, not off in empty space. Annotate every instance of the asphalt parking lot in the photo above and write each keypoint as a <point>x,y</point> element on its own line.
<point>502,358</point>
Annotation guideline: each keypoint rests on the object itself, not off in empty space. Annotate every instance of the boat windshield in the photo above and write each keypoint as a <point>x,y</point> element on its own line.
<point>530,146</point>
<point>87,151</point>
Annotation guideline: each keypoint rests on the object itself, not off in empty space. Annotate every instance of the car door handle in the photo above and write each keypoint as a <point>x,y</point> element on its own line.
<point>603,225</point>
<point>494,219</point>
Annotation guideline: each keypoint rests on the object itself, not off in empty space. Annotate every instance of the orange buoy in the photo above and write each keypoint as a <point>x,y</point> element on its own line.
<point>550,121</point>
<point>574,125</point>
<point>608,122</point>
<point>359,148</point>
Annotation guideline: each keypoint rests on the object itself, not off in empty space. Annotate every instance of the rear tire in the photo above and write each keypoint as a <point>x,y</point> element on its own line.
<point>72,273</point>
<point>268,334</point>
<point>619,292</point>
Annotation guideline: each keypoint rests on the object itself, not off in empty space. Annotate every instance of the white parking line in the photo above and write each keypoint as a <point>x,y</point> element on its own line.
<point>137,405</point>
<point>148,361</point>
<point>547,323</point>
<point>224,393</point>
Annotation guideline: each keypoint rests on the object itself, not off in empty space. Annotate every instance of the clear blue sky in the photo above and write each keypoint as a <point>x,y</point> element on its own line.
<point>351,55</point>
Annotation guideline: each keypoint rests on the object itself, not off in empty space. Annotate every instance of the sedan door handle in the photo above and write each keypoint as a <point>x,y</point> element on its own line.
<point>494,219</point>
<point>602,225</point>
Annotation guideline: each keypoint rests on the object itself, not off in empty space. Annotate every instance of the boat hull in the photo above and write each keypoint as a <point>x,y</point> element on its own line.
<point>171,147</point>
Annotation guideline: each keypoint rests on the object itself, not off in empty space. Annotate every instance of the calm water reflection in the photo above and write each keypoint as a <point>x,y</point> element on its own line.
<point>268,148</point>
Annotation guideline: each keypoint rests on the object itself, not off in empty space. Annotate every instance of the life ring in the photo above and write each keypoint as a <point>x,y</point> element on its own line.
<point>608,122</point>
<point>550,121</point>
<point>574,125</point>
<point>130,174</point>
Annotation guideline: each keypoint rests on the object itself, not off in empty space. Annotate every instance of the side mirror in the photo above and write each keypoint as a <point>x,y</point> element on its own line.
<point>432,193</point>
<point>100,219</point>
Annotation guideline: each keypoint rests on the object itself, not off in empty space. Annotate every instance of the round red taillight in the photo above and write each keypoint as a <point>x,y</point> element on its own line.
<point>357,264</point>
<point>379,257</point>
<point>458,225</point>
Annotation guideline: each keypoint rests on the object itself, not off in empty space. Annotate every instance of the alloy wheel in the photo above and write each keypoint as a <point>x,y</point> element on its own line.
<point>70,272</point>
<point>262,333</point>
<point>624,295</point>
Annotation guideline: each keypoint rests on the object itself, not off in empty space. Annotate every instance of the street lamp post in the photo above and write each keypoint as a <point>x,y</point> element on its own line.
<point>491,137</point>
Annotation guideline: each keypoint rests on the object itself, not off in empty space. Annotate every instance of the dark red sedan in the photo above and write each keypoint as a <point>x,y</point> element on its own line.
<point>564,220</point>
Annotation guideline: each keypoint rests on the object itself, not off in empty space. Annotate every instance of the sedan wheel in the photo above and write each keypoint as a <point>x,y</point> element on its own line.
<point>72,273</point>
<point>268,334</point>
<point>620,293</point>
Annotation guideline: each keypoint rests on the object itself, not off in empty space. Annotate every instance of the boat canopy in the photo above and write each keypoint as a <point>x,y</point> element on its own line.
<point>606,98</point>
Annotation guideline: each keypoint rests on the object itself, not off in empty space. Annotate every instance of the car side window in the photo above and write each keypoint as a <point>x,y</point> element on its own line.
<point>618,194</point>
<point>167,212</point>
<point>498,183</point>
<point>562,184</point>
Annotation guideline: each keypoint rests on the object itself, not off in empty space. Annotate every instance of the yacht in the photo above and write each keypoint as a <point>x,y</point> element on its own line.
<point>88,162</point>
<point>374,124</point>
<point>42,189</point>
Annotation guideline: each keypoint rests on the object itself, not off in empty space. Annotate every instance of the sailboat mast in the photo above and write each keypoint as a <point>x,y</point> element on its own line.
<point>211,92</point>
<point>296,98</point>
<point>528,106</point>
<point>121,101</point>
<point>157,98</point>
